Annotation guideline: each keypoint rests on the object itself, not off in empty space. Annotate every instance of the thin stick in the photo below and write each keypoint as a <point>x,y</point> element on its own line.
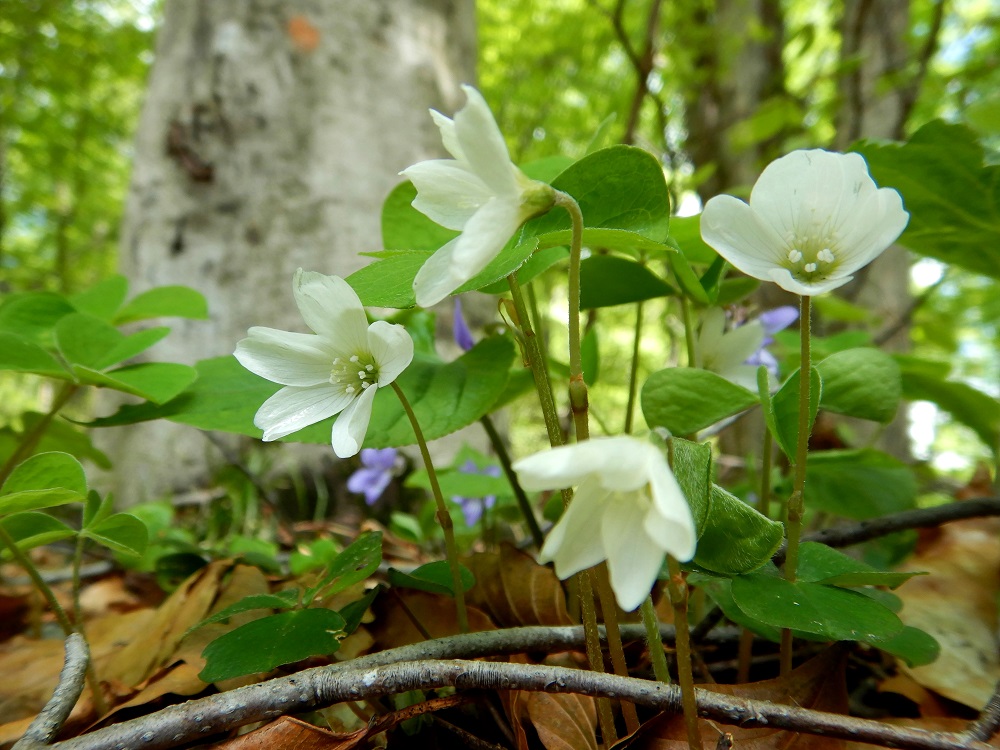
<point>50,719</point>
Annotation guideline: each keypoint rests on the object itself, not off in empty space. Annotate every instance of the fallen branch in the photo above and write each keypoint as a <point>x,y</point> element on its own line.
<point>71,681</point>
<point>322,687</point>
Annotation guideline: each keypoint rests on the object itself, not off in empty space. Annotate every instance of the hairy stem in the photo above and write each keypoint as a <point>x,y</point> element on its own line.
<point>444,518</point>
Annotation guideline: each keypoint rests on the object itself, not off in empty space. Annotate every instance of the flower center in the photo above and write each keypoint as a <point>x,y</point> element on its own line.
<point>355,374</point>
<point>811,256</point>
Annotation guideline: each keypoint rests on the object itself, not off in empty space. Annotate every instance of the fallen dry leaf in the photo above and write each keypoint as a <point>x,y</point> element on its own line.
<point>397,609</point>
<point>957,604</point>
<point>515,590</point>
<point>563,722</point>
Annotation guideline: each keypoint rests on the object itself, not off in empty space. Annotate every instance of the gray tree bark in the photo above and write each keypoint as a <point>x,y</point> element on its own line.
<point>271,133</point>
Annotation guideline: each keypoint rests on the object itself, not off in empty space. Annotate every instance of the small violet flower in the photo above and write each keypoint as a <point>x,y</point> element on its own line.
<point>474,507</point>
<point>375,473</point>
<point>336,370</point>
<point>479,192</point>
<point>628,509</point>
<point>814,218</point>
<point>460,329</point>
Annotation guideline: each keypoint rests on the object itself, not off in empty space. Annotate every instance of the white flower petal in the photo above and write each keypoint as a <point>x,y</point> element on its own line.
<point>348,434</point>
<point>447,192</point>
<point>438,276</point>
<point>634,559</point>
<point>876,227</point>
<point>391,348</point>
<point>483,145</point>
<point>292,408</point>
<point>285,357</point>
<point>737,345</point>
<point>736,233</point>
<point>619,462</point>
<point>574,543</point>
<point>485,235</point>
<point>448,136</point>
<point>783,278</point>
<point>669,520</point>
<point>332,309</point>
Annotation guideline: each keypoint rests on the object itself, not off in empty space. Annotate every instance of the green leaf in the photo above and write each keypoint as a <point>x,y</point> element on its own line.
<point>833,613</point>
<point>354,612</point>
<point>281,600</point>
<point>608,280</point>
<point>862,383</point>
<point>621,187</point>
<point>164,302</point>
<point>21,355</point>
<point>130,346</point>
<point>455,483</point>
<point>388,282</point>
<point>539,262</point>
<point>685,233</point>
<point>821,564</point>
<point>912,645</point>
<point>973,408</point>
<point>783,418</point>
<point>736,538</point>
<point>859,484</point>
<point>358,561</point>
<point>692,467</point>
<point>269,642</point>
<point>103,299</point>
<point>720,591</point>
<point>61,436</point>
<point>952,196</point>
<point>405,228</point>
<point>33,529</point>
<point>689,282</point>
<point>687,399</point>
<point>84,340</point>
<point>96,508</point>
<point>158,382</point>
<point>38,499</point>
<point>434,577</point>
<point>45,471</point>
<point>33,315</point>
<point>122,532</point>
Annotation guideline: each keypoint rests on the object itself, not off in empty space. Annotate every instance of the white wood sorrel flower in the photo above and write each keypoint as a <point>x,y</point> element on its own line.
<point>479,192</point>
<point>336,370</point>
<point>814,218</point>
<point>628,509</point>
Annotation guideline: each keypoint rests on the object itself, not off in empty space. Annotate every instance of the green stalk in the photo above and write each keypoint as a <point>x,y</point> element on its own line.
<point>592,639</point>
<point>633,376</point>
<point>796,504</point>
<point>444,518</point>
<point>522,499</point>
<point>609,608</point>
<point>577,387</point>
<point>688,333</point>
<point>654,641</point>
<point>685,676</point>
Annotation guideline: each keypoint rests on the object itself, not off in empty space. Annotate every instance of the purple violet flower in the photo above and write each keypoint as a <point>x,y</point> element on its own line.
<point>772,321</point>
<point>474,507</point>
<point>375,473</point>
<point>463,336</point>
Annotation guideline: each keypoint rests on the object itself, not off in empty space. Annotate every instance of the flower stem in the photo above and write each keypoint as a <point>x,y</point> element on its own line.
<point>595,656</point>
<point>609,608</point>
<point>633,376</point>
<point>522,499</point>
<point>577,387</point>
<point>685,676</point>
<point>796,504</point>
<point>536,361</point>
<point>444,518</point>
<point>654,641</point>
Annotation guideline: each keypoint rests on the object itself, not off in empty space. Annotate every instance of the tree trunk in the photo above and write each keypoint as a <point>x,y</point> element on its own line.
<point>271,133</point>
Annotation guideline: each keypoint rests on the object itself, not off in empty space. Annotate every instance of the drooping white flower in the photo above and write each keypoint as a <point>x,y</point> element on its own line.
<point>814,218</point>
<point>479,192</point>
<point>628,509</point>
<point>336,370</point>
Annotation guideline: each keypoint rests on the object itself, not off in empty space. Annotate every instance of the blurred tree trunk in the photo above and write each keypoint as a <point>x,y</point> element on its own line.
<point>740,57</point>
<point>271,133</point>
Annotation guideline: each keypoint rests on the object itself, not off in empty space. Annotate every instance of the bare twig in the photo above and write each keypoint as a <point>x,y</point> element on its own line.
<point>71,681</point>
<point>988,723</point>
<point>320,687</point>
<point>908,519</point>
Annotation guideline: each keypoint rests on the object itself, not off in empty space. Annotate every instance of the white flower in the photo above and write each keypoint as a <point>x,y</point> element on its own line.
<point>479,192</point>
<point>336,370</point>
<point>725,352</point>
<point>628,509</point>
<point>814,218</point>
